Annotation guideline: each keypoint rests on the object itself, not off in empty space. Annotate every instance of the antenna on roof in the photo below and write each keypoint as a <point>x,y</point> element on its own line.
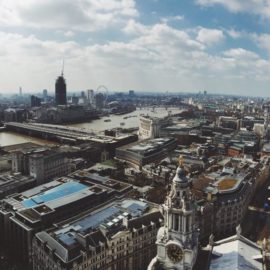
<point>63,66</point>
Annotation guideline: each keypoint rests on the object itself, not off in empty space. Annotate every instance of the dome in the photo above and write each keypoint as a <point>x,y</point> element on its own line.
<point>180,175</point>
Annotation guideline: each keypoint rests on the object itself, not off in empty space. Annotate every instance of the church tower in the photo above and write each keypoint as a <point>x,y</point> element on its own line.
<point>177,240</point>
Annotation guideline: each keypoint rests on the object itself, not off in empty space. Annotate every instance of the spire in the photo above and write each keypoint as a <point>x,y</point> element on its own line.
<point>63,66</point>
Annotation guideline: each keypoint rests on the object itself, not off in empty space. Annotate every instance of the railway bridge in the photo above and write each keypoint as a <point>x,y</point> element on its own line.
<point>70,135</point>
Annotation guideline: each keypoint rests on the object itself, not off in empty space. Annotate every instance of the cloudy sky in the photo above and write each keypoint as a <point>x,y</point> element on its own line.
<point>159,45</point>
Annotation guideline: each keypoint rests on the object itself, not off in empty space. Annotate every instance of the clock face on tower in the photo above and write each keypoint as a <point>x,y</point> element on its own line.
<point>175,253</point>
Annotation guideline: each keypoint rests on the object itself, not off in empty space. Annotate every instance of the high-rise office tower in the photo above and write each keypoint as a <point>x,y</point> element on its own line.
<point>45,94</point>
<point>60,91</point>
<point>90,96</point>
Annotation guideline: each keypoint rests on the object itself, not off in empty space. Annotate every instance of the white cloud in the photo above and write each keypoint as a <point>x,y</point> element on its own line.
<point>240,53</point>
<point>210,36</point>
<point>172,18</point>
<point>262,41</point>
<point>134,28</point>
<point>235,34</point>
<point>83,15</point>
<point>259,7</point>
<point>232,5</point>
<point>69,34</point>
<point>156,57</point>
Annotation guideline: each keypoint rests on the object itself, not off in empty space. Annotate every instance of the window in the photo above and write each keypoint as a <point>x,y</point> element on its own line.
<point>176,222</point>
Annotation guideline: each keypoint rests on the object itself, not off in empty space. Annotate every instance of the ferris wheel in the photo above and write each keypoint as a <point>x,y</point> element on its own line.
<point>102,89</point>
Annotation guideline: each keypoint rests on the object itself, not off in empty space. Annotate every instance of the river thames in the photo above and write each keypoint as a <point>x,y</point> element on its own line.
<point>130,120</point>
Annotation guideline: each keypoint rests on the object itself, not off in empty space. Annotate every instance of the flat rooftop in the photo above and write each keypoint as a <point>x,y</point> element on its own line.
<point>110,216</point>
<point>228,183</point>
<point>21,146</point>
<point>55,193</point>
<point>10,182</point>
<point>68,239</point>
<point>147,146</point>
<point>94,178</point>
<point>183,125</point>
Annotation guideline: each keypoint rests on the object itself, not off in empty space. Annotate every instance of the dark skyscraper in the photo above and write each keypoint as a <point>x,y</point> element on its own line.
<point>60,91</point>
<point>35,101</point>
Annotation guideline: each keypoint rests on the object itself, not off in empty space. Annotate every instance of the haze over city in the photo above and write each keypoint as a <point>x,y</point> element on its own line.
<point>190,45</point>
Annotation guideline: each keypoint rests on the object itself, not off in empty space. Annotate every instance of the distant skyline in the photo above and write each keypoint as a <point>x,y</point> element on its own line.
<point>221,46</point>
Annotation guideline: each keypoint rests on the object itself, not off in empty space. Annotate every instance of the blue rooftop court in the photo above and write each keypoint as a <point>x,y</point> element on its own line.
<point>58,192</point>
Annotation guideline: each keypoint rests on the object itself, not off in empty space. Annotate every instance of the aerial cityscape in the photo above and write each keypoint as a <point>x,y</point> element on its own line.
<point>135,135</point>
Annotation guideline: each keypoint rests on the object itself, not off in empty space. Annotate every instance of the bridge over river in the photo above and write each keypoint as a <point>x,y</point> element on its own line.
<point>65,134</point>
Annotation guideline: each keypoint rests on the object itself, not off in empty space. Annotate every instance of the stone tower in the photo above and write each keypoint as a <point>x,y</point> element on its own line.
<point>177,240</point>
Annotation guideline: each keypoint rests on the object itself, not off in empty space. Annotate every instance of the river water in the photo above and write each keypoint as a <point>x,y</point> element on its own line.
<point>129,120</point>
<point>10,138</point>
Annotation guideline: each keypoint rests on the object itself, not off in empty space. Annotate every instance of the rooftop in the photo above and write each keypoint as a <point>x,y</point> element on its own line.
<point>236,253</point>
<point>11,182</point>
<point>52,195</point>
<point>227,180</point>
<point>64,189</point>
<point>147,146</point>
<point>95,228</point>
<point>109,216</point>
<point>94,178</point>
<point>226,183</point>
<point>20,146</point>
